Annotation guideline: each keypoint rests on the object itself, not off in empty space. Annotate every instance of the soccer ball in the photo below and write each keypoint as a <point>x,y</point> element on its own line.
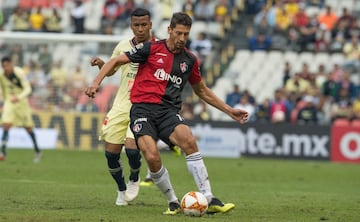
<point>194,204</point>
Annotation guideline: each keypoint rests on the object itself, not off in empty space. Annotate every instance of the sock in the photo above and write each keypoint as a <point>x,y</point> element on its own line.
<point>115,169</point>
<point>4,139</point>
<point>33,138</point>
<point>162,181</point>
<point>198,170</point>
<point>148,176</point>
<point>134,158</point>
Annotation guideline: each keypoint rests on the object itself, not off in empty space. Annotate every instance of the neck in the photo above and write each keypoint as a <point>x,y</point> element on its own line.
<point>171,47</point>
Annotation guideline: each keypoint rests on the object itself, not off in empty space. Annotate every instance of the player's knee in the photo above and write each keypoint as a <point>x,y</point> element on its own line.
<point>189,145</point>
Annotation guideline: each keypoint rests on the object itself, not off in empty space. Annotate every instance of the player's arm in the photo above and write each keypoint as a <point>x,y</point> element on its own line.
<point>26,87</point>
<point>105,70</point>
<point>209,97</point>
<point>100,63</point>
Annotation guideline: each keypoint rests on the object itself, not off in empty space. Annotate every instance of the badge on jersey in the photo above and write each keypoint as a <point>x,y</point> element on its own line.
<point>183,67</point>
<point>137,127</point>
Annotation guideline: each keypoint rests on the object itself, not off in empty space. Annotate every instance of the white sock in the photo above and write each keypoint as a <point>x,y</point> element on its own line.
<point>162,181</point>
<point>198,170</point>
<point>148,176</point>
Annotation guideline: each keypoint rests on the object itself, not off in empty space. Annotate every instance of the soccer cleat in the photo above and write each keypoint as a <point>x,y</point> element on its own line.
<point>147,182</point>
<point>132,190</point>
<point>2,156</point>
<point>176,150</point>
<point>216,206</point>
<point>37,157</point>
<point>120,200</point>
<point>174,208</point>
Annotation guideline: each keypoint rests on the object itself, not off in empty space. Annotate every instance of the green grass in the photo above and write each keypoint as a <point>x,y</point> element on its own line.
<point>76,186</point>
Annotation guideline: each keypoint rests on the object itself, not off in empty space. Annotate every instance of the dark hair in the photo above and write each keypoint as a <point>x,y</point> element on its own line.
<point>140,12</point>
<point>180,18</point>
<point>5,59</point>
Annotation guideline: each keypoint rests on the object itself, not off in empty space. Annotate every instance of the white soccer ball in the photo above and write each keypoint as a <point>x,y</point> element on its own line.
<point>194,204</point>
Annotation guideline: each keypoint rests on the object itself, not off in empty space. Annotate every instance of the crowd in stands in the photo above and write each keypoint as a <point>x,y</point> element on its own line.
<point>306,96</point>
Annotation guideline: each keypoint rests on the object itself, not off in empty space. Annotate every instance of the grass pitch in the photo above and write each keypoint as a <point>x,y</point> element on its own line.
<point>76,186</point>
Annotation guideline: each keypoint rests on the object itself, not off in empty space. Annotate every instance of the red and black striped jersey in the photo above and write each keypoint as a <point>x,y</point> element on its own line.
<point>162,75</point>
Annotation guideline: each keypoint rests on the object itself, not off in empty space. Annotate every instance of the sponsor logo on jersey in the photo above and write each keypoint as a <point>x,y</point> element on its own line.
<point>183,67</point>
<point>160,74</point>
<point>137,127</point>
<point>160,61</point>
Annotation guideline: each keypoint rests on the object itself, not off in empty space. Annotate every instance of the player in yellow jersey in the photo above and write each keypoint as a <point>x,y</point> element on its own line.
<point>15,90</point>
<point>115,130</point>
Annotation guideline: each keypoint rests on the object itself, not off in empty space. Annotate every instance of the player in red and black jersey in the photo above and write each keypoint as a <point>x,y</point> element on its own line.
<point>165,67</point>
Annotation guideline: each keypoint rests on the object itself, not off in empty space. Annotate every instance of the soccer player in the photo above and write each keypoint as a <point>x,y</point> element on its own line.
<point>16,109</point>
<point>115,130</point>
<point>165,67</point>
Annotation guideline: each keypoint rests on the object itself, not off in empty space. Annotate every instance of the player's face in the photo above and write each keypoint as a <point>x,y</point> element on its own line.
<point>7,67</point>
<point>141,25</point>
<point>178,36</point>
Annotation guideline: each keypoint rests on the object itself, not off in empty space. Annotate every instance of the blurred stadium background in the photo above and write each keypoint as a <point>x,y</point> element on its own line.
<point>290,63</point>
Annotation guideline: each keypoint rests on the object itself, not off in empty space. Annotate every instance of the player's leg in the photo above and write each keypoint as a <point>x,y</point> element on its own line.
<point>113,132</point>
<point>112,154</point>
<point>142,118</point>
<point>159,174</point>
<point>37,156</point>
<point>183,137</point>
<point>4,139</point>
<point>134,158</point>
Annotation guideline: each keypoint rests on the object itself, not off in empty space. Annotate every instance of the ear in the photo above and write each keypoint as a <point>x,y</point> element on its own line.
<point>169,30</point>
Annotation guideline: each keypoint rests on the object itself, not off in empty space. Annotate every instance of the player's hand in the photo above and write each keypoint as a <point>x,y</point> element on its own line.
<point>14,99</point>
<point>239,115</point>
<point>91,90</point>
<point>97,62</point>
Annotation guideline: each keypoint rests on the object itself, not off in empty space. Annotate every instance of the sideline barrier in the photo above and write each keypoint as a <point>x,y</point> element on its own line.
<point>227,139</point>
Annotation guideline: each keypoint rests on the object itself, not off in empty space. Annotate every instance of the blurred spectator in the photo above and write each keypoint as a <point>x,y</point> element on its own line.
<point>291,7</point>
<point>330,88</point>
<point>322,40</point>
<point>166,9</point>
<point>1,20</point>
<point>201,112</point>
<point>252,7</point>
<point>261,39</point>
<point>297,85</point>
<point>112,11</point>
<point>37,20</point>
<point>129,6</point>
<point>263,111</point>
<point>203,11</point>
<point>251,98</point>
<point>188,8</point>
<point>339,36</point>
<point>342,107</point>
<point>328,19</point>
<point>305,73</point>
<point>246,105</point>
<point>345,18</point>
<point>201,46</point>
<point>58,75</point>
<point>337,72</point>
<point>78,16</point>
<point>351,52</point>
<point>234,97</point>
<point>321,76</point>
<point>356,108</point>
<point>308,33</point>
<point>280,108</point>
<point>222,9</point>
<point>45,59</point>
<point>53,21</point>
<point>318,3</point>
<point>348,85</point>
<point>20,20</point>
<point>283,20</point>
<point>286,73</point>
<point>17,55</point>
<point>77,82</point>
<point>300,18</point>
<point>308,114</point>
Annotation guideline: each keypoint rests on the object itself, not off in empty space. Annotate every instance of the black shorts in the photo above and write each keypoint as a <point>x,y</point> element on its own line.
<point>155,120</point>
